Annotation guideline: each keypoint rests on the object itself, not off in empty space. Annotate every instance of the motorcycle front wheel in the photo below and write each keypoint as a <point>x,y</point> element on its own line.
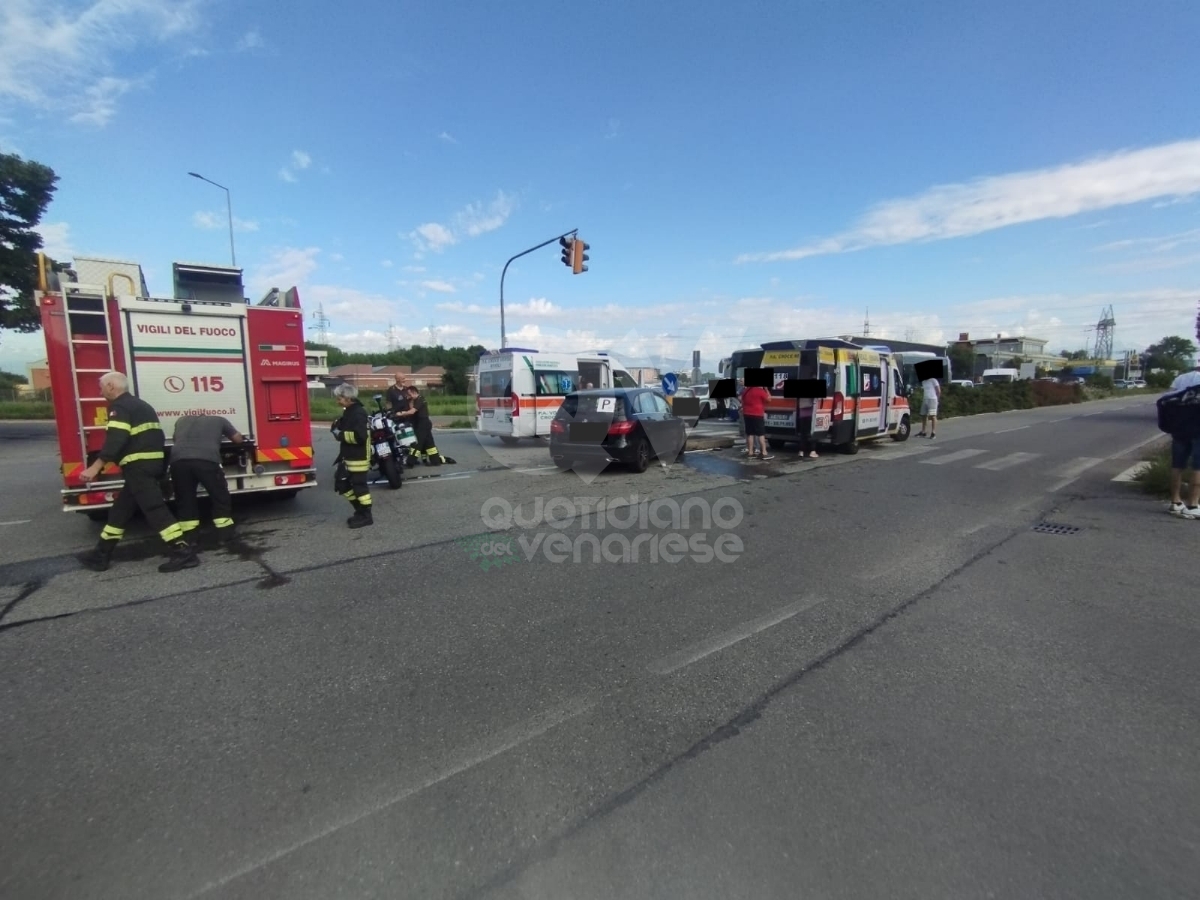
<point>391,472</point>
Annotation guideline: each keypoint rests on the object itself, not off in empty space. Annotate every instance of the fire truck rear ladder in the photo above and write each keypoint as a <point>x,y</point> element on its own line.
<point>91,302</point>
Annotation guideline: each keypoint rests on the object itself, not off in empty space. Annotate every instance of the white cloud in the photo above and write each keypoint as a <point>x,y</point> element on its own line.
<point>289,267</point>
<point>299,162</point>
<point>414,268</point>
<point>56,240</point>
<point>448,137</point>
<point>211,220</point>
<point>472,221</point>
<point>538,307</point>
<point>477,219</point>
<point>59,58</point>
<point>441,287</point>
<point>387,263</point>
<point>251,40</point>
<point>959,210</point>
<point>1163,244</point>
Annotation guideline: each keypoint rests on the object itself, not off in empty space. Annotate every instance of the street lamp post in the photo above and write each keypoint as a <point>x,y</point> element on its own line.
<point>228,210</point>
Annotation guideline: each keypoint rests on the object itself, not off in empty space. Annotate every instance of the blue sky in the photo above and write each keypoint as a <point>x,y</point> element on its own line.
<point>742,172</point>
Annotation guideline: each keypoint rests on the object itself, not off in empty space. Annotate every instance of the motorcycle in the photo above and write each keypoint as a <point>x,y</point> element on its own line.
<point>388,453</point>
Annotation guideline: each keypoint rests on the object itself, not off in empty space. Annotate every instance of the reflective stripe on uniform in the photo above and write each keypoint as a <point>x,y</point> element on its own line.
<point>172,533</point>
<point>149,426</point>
<point>189,524</point>
<point>357,465</point>
<point>223,522</point>
<point>364,500</point>
<point>122,426</point>
<point>138,457</point>
<point>111,534</point>
<point>349,438</point>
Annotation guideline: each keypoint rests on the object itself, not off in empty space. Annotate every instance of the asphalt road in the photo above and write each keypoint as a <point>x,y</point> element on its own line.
<point>879,682</point>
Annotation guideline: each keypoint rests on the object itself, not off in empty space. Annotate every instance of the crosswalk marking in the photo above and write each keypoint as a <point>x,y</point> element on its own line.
<point>1077,467</point>
<point>952,457</point>
<point>1007,462</point>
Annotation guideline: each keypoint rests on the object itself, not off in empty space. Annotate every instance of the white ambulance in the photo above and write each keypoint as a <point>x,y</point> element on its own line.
<point>519,390</point>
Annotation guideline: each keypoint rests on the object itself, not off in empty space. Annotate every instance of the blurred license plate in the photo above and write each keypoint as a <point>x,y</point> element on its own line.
<point>780,420</point>
<point>587,432</point>
<point>383,449</point>
<point>488,413</point>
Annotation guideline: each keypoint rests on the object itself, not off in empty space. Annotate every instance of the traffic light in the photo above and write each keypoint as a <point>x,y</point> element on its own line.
<point>579,256</point>
<point>568,251</point>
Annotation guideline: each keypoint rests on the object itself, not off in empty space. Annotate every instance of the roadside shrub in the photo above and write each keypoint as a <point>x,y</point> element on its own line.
<point>988,398</point>
<point>1155,479</point>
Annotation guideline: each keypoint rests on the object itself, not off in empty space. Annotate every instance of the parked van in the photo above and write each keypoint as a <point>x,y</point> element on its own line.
<point>521,389</point>
<point>866,398</point>
<point>1000,376</point>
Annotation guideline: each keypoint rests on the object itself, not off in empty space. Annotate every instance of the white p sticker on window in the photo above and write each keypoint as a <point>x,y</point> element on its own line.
<point>606,404</point>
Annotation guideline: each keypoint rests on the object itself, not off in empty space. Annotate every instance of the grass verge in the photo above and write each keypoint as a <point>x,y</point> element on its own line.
<point>460,423</point>
<point>26,409</point>
<point>1155,479</point>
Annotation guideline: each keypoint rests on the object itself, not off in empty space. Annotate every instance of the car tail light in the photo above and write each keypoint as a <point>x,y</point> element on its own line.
<point>281,480</point>
<point>516,405</point>
<point>625,427</point>
<point>839,407</point>
<point>557,427</point>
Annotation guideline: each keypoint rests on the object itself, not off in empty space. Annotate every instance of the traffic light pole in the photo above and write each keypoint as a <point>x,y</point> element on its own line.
<point>503,337</point>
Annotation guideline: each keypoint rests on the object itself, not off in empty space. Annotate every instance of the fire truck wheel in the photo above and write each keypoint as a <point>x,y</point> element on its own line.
<point>849,448</point>
<point>903,431</point>
<point>387,466</point>
<point>285,495</point>
<point>508,440</point>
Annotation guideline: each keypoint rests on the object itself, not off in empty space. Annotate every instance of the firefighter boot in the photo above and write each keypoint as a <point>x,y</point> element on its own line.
<point>362,516</point>
<point>182,557</point>
<point>99,558</point>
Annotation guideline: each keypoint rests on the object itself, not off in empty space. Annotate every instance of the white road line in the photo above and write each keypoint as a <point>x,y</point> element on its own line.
<point>1139,445</point>
<point>535,470</point>
<point>514,738</point>
<point>900,454</point>
<point>1007,430</point>
<point>1007,462</point>
<point>17,522</point>
<point>952,457</point>
<point>1071,472</point>
<point>696,652</point>
<point>1133,471</point>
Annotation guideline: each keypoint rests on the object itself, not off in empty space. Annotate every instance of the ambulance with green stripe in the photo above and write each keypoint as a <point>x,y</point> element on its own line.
<point>204,351</point>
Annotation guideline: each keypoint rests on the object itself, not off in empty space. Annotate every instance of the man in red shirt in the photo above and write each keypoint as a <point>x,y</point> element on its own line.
<point>754,412</point>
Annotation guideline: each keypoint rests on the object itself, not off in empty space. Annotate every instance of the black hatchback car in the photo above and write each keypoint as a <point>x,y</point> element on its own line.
<point>631,426</point>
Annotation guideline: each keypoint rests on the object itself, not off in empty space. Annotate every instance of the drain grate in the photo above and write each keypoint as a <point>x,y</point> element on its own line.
<point>1051,528</point>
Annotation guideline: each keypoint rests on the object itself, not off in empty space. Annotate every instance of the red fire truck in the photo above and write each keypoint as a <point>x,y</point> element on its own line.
<point>207,350</point>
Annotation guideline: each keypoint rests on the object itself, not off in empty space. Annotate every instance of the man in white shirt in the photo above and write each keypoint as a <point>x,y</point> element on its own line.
<point>931,392</point>
<point>1185,453</point>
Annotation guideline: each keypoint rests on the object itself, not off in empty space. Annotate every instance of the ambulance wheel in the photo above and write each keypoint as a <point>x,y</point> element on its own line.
<point>97,515</point>
<point>508,440</point>
<point>849,448</point>
<point>390,472</point>
<point>903,431</point>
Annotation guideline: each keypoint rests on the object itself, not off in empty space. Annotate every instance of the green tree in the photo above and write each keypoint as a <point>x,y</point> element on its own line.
<point>1171,354</point>
<point>1073,354</point>
<point>26,188</point>
<point>9,380</point>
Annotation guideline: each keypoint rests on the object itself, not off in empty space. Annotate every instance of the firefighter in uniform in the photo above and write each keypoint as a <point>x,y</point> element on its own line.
<point>195,461</point>
<point>134,441</point>
<point>418,414</point>
<point>353,432</point>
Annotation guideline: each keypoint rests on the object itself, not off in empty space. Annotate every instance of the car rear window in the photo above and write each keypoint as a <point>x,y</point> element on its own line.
<point>604,404</point>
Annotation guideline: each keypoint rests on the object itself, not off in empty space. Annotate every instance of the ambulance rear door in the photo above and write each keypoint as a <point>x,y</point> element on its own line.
<point>781,411</point>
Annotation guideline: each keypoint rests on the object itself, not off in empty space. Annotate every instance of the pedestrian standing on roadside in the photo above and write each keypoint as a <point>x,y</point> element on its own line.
<point>1181,422</point>
<point>195,461</point>
<point>134,441</point>
<point>931,393</point>
<point>754,411</point>
<point>804,421</point>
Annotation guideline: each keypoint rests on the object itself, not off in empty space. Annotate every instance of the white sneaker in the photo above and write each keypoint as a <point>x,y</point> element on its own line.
<point>1192,512</point>
<point>1176,509</point>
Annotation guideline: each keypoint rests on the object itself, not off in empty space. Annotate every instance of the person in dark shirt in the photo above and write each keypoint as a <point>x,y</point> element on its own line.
<point>418,414</point>
<point>134,442</point>
<point>352,431</point>
<point>195,461</point>
<point>397,397</point>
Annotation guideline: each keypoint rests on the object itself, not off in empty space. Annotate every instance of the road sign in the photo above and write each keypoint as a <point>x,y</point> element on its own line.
<point>670,383</point>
